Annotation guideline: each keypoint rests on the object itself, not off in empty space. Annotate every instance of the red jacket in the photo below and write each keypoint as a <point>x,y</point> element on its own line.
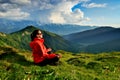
<point>40,51</point>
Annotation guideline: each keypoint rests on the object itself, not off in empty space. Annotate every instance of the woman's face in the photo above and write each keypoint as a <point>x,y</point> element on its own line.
<point>39,35</point>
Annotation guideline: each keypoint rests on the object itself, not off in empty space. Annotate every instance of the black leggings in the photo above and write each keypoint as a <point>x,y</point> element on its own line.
<point>48,61</point>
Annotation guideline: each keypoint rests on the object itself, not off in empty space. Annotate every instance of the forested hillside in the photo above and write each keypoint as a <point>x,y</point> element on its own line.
<point>21,39</point>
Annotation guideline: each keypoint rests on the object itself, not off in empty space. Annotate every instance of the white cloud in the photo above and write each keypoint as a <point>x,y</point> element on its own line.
<point>45,6</point>
<point>52,11</point>
<point>93,5</point>
<point>21,2</point>
<point>51,4</point>
<point>14,14</point>
<point>42,4</point>
<point>6,6</point>
<point>62,13</point>
<point>13,11</point>
<point>56,18</point>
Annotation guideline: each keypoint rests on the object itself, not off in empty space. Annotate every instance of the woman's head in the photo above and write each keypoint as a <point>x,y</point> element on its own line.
<point>36,34</point>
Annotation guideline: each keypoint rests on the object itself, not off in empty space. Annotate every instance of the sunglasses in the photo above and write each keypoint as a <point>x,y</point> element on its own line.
<point>39,33</point>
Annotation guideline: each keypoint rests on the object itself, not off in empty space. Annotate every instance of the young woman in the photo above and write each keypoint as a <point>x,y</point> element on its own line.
<point>40,52</point>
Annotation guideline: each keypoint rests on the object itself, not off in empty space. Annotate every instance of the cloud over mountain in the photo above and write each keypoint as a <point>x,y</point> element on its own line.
<point>63,13</point>
<point>53,11</point>
<point>93,5</point>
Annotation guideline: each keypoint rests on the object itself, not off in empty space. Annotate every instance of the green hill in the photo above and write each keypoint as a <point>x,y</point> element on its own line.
<point>17,65</point>
<point>21,39</point>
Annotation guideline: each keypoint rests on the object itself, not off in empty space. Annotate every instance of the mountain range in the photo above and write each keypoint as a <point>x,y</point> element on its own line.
<point>21,39</point>
<point>65,29</point>
<point>97,40</point>
<point>9,26</point>
<point>94,40</point>
<point>93,36</point>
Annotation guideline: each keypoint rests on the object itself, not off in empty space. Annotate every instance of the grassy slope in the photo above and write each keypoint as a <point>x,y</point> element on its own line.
<point>16,65</point>
<point>21,39</point>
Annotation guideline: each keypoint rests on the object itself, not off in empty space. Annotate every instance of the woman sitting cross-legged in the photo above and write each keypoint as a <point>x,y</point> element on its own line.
<point>39,50</point>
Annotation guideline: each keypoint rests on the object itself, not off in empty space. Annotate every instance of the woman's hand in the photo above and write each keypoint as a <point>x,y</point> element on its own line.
<point>49,49</point>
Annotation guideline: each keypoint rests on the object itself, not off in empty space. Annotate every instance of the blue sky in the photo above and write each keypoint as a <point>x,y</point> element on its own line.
<point>80,12</point>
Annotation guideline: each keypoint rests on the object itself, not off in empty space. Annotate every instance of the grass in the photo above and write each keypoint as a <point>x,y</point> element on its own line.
<point>17,65</point>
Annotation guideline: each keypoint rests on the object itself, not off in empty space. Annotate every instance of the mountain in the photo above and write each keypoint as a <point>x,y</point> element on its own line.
<point>102,39</point>
<point>21,39</point>
<point>93,36</point>
<point>65,29</point>
<point>9,26</point>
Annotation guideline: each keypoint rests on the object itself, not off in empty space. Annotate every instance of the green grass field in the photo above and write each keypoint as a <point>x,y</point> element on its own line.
<point>18,65</point>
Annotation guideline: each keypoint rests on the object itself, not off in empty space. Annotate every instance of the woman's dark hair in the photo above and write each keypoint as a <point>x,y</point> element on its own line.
<point>33,34</point>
